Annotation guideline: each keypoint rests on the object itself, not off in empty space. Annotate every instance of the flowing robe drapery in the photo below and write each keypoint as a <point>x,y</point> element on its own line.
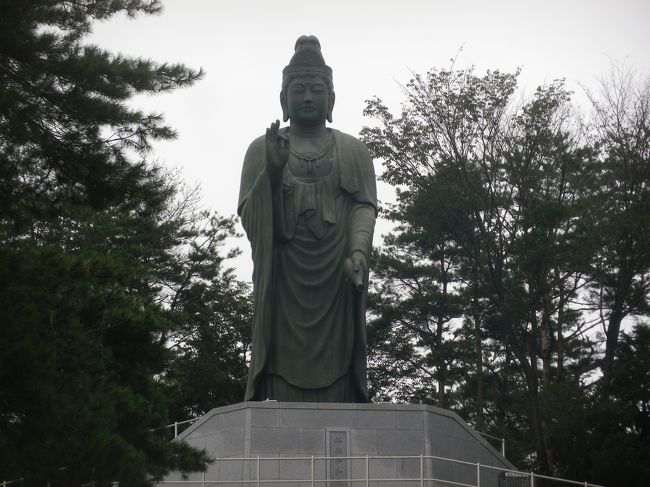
<point>309,321</point>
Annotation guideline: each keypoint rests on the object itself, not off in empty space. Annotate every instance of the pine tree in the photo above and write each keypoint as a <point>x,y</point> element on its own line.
<point>213,337</point>
<point>89,239</point>
<point>620,204</point>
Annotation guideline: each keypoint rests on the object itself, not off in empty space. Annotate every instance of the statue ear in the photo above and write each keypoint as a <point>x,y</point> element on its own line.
<point>331,107</point>
<point>283,104</point>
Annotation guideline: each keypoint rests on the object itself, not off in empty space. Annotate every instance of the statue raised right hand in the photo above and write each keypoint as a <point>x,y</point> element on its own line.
<point>277,150</point>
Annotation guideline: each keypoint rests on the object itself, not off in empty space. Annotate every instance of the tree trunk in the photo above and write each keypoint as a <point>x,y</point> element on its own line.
<point>545,338</point>
<point>624,282</point>
<point>613,330</point>
<point>537,424</point>
<point>528,362</point>
<point>442,399</point>
<point>560,337</point>
<point>478,348</point>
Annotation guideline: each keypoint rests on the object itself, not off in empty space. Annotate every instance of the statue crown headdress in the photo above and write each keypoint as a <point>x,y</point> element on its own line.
<point>307,60</point>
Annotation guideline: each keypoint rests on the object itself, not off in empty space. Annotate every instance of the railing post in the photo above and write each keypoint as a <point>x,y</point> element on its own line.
<point>421,470</point>
<point>175,429</point>
<point>478,475</point>
<point>367,471</point>
<point>532,479</point>
<point>258,471</point>
<point>503,447</point>
<point>203,480</point>
<point>312,471</point>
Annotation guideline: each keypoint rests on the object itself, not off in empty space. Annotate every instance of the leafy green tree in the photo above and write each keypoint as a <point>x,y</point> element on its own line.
<point>505,182</point>
<point>213,339</point>
<point>608,440</point>
<point>414,307</point>
<point>418,151</point>
<point>95,245</point>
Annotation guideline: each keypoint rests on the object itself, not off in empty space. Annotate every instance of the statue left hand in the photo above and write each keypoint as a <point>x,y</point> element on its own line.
<point>355,268</point>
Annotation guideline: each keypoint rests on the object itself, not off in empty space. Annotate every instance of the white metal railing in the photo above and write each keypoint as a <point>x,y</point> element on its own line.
<point>426,476</point>
<point>502,441</point>
<point>175,426</point>
<point>5,483</point>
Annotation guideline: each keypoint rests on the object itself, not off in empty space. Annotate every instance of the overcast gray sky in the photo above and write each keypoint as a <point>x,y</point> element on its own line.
<point>243,45</point>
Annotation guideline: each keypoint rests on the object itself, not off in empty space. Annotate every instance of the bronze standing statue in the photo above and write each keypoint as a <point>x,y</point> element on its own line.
<point>308,203</point>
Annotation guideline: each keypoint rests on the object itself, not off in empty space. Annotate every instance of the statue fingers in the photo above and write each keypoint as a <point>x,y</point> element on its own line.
<point>284,139</point>
<point>270,139</point>
<point>353,272</point>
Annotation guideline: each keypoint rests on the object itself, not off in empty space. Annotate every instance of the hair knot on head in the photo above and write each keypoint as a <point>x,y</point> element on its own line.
<point>307,41</point>
<point>307,60</point>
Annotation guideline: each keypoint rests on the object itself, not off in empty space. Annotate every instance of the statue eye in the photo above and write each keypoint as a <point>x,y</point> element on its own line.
<point>297,88</point>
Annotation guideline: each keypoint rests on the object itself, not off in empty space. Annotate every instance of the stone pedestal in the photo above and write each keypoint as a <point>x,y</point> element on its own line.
<point>291,440</point>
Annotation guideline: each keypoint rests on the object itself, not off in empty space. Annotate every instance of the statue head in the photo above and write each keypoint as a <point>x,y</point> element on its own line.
<point>307,95</point>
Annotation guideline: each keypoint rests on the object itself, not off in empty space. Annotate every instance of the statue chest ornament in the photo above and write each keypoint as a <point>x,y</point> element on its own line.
<point>310,188</point>
<point>311,159</point>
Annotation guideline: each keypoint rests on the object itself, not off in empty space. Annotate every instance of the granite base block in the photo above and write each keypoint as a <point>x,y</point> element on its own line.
<point>285,437</point>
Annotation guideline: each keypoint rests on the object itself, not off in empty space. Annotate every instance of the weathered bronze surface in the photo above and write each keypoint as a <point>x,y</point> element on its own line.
<point>308,203</point>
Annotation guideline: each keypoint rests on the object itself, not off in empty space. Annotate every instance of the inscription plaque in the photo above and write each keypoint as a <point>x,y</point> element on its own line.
<point>338,467</point>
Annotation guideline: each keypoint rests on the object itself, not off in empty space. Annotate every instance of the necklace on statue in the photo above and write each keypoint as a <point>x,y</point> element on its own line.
<point>311,160</point>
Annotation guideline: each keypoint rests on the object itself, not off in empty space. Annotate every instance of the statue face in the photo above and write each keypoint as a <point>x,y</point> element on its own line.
<point>307,100</point>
